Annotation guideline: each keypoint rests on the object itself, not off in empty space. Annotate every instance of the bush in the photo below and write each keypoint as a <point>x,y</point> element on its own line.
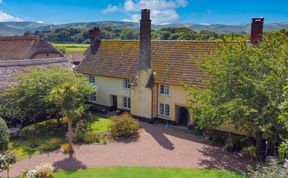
<point>249,152</point>
<point>218,138</point>
<point>273,169</point>
<point>92,138</point>
<point>49,147</point>
<point>4,135</point>
<point>79,132</point>
<point>283,149</point>
<point>45,170</point>
<point>124,127</point>
<point>55,141</point>
<point>65,148</point>
<point>195,130</point>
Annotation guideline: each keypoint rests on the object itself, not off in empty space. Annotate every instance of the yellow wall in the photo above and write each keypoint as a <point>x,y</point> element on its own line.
<point>107,86</point>
<point>141,97</point>
<point>177,97</point>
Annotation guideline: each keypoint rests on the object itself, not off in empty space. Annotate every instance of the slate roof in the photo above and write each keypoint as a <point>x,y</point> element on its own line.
<point>171,60</point>
<point>15,48</point>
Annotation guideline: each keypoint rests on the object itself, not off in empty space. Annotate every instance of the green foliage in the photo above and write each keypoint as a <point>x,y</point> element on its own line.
<point>249,152</point>
<point>4,135</point>
<point>6,160</point>
<point>244,86</point>
<point>49,147</point>
<point>124,127</point>
<point>283,149</point>
<point>30,96</point>
<point>81,36</point>
<point>79,132</point>
<point>92,137</point>
<point>272,169</point>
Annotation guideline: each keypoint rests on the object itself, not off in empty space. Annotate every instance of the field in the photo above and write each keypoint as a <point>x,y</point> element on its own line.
<point>141,172</point>
<point>71,48</point>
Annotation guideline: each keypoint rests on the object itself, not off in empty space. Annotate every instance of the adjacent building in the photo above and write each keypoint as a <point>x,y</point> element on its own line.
<point>147,77</point>
<point>17,54</point>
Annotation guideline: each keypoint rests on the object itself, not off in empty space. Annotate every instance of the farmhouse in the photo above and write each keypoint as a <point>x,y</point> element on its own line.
<point>17,54</point>
<point>147,77</point>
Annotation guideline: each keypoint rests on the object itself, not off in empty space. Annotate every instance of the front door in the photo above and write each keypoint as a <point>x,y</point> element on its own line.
<point>114,102</point>
<point>183,116</point>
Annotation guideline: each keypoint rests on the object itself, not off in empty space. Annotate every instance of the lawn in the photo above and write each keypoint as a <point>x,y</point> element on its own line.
<point>141,172</point>
<point>47,131</point>
<point>71,48</point>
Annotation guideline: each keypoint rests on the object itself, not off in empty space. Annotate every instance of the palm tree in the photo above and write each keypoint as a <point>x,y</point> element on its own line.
<point>71,97</point>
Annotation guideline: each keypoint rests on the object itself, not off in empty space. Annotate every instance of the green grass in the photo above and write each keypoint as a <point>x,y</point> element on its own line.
<point>71,48</point>
<point>47,130</point>
<point>141,172</point>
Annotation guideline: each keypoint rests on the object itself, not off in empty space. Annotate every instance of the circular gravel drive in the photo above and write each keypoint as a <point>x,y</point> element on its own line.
<point>157,146</point>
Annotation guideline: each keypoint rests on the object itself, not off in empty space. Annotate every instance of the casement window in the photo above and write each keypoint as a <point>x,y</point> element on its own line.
<point>92,78</point>
<point>92,98</point>
<point>164,109</point>
<point>127,102</point>
<point>164,90</point>
<point>126,83</point>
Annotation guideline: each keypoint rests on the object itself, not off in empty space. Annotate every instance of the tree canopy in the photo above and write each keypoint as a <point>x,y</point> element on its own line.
<point>245,87</point>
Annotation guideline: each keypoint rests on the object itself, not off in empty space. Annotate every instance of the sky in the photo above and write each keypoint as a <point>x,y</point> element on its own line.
<point>162,11</point>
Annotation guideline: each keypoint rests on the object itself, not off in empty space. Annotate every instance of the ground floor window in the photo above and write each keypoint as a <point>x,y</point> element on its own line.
<point>92,98</point>
<point>127,102</point>
<point>164,109</point>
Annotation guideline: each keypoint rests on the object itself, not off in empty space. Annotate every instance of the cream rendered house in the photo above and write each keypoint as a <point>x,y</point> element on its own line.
<point>145,77</point>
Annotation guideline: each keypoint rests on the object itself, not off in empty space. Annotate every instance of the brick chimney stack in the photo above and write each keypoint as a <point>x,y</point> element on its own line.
<point>94,39</point>
<point>145,40</point>
<point>257,30</point>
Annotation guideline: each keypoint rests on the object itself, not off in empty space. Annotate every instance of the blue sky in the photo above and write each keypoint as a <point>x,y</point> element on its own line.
<point>163,11</point>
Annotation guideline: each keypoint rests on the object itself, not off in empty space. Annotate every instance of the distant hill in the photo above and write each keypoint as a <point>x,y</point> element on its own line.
<point>19,28</point>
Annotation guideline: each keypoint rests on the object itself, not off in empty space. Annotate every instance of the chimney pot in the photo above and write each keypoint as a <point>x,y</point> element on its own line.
<point>257,30</point>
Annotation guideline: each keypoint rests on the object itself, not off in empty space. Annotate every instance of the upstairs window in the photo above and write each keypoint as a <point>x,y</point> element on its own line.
<point>127,102</point>
<point>126,83</point>
<point>164,90</point>
<point>164,109</point>
<point>92,78</point>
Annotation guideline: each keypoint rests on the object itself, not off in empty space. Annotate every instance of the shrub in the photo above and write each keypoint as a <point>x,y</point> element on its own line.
<point>30,174</point>
<point>45,170</point>
<point>283,149</point>
<point>55,141</point>
<point>6,160</point>
<point>79,132</point>
<point>65,148</point>
<point>218,137</point>
<point>4,135</point>
<point>273,169</point>
<point>124,127</point>
<point>249,152</point>
<point>195,130</point>
<point>49,147</point>
<point>92,138</point>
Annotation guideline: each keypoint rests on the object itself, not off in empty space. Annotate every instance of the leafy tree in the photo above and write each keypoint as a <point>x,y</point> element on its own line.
<point>71,96</point>
<point>28,99</point>
<point>244,87</point>
<point>4,135</point>
<point>6,160</point>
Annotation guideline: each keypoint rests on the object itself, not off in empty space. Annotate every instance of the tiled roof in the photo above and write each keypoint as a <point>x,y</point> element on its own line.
<point>15,48</point>
<point>171,60</point>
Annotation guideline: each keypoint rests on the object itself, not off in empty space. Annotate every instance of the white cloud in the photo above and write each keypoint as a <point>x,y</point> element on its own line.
<point>4,17</point>
<point>40,21</point>
<point>162,11</point>
<point>110,9</point>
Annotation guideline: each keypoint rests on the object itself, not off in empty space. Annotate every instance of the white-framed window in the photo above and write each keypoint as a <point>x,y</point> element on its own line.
<point>127,102</point>
<point>93,98</point>
<point>92,78</point>
<point>126,83</point>
<point>164,109</point>
<point>164,90</point>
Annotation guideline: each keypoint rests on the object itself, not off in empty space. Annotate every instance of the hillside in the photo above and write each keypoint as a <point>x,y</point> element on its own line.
<point>19,28</point>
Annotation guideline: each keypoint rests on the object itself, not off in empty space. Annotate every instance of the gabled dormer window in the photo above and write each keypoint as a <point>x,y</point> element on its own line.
<point>164,90</point>
<point>92,78</point>
<point>126,83</point>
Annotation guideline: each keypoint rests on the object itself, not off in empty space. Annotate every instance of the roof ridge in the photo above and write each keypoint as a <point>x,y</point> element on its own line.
<point>20,38</point>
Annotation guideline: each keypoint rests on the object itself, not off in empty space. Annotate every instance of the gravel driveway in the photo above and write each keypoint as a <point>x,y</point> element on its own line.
<point>157,147</point>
